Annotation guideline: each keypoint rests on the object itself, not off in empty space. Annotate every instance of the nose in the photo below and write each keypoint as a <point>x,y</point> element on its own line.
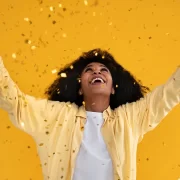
<point>96,71</point>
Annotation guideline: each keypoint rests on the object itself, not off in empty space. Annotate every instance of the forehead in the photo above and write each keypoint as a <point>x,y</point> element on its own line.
<point>95,64</point>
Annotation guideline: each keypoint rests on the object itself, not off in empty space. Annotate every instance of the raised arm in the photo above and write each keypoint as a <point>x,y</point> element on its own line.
<point>27,113</point>
<point>145,114</point>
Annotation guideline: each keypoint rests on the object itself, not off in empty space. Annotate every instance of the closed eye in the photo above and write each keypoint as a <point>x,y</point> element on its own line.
<point>105,69</point>
<point>88,69</point>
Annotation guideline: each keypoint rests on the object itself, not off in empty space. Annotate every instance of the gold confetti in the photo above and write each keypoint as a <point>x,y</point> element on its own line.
<point>110,23</point>
<point>86,2</point>
<point>96,54</point>
<point>83,103</point>
<point>26,19</point>
<point>71,67</point>
<point>33,47</point>
<point>54,71</point>
<point>64,35</point>
<point>79,80</point>
<point>103,57</point>
<point>41,9</point>
<point>116,85</point>
<point>58,91</point>
<point>41,144</point>
<point>63,75</point>
<point>14,55</point>
<point>94,13</point>
<point>22,124</point>
<point>51,8</point>
<point>60,5</point>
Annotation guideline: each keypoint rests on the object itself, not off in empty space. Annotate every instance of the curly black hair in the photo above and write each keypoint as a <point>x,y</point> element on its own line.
<point>65,89</point>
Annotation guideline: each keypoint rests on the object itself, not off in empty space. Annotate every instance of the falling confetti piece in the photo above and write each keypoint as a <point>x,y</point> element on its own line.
<point>94,13</point>
<point>60,5</point>
<point>51,8</point>
<point>14,56</point>
<point>26,19</point>
<point>41,9</point>
<point>33,47</point>
<point>103,57</point>
<point>110,23</point>
<point>63,75</point>
<point>54,71</point>
<point>64,35</point>
<point>96,54</point>
<point>27,41</point>
<point>86,2</point>
<point>116,85</point>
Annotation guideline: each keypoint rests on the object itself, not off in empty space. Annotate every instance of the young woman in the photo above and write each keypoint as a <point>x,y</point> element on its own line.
<point>94,117</point>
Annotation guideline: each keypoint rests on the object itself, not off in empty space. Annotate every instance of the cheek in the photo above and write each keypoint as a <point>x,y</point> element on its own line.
<point>84,81</point>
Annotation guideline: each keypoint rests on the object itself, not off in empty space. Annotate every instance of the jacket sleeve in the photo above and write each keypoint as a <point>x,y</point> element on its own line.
<point>27,113</point>
<point>145,114</point>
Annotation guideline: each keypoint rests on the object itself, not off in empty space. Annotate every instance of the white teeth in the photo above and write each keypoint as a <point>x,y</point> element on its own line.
<point>97,79</point>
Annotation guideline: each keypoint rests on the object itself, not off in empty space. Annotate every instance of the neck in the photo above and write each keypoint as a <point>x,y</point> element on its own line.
<point>96,103</point>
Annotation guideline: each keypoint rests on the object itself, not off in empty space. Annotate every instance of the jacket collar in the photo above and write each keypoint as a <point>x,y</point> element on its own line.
<point>82,112</point>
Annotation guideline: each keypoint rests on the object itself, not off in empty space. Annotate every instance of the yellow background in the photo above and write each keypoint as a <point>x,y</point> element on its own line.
<point>143,35</point>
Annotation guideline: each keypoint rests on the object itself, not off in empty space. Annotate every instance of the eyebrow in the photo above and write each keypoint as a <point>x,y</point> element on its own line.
<point>102,65</point>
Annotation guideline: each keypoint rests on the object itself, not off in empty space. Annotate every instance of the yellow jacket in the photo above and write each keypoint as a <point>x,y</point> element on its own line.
<point>57,127</point>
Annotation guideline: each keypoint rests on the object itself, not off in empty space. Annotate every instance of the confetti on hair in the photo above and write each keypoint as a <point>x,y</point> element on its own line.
<point>71,67</point>
<point>79,80</point>
<point>58,91</point>
<point>63,75</point>
<point>83,103</point>
<point>103,57</point>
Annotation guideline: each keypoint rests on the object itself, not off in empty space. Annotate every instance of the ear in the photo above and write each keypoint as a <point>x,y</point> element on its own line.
<point>112,91</point>
<point>80,92</point>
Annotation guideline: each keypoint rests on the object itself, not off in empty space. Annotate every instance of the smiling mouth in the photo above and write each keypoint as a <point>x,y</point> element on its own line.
<point>96,81</point>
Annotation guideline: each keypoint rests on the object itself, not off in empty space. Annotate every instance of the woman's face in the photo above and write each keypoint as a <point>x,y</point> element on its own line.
<point>96,79</point>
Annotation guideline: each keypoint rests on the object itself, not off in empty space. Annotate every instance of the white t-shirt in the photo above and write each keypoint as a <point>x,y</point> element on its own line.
<point>93,161</point>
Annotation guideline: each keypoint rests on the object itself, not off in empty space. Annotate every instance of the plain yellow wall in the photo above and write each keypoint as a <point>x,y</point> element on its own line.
<point>143,35</point>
